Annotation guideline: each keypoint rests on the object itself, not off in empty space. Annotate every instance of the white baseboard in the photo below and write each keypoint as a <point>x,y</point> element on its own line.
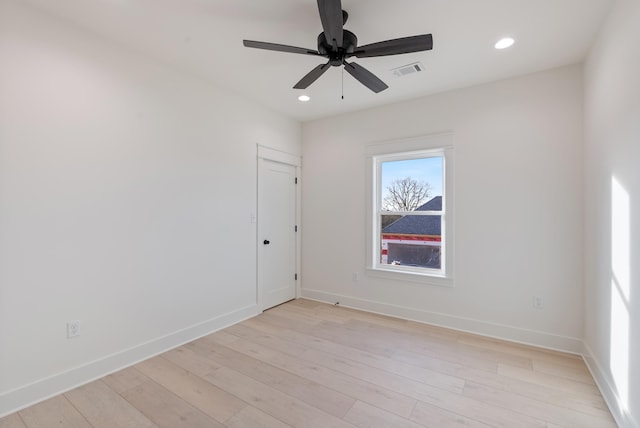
<point>498,331</point>
<point>43,389</point>
<point>605,384</point>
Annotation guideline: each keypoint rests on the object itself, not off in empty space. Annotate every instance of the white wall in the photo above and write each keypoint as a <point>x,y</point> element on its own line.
<point>612,222</point>
<point>126,190</point>
<point>518,209</point>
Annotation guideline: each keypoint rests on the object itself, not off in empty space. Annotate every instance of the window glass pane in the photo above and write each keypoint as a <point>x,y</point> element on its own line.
<point>411,185</point>
<point>412,240</point>
<point>406,185</point>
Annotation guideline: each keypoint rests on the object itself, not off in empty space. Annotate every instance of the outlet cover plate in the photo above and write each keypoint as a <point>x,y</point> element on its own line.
<point>73,328</point>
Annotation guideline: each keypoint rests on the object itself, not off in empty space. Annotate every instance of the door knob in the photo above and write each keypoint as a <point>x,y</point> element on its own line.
<point>266,242</point>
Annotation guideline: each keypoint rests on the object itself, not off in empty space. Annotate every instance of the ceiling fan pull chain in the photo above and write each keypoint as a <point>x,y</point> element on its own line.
<point>343,83</point>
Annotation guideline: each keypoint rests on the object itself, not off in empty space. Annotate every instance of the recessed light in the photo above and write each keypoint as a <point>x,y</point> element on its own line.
<point>304,98</point>
<point>504,43</point>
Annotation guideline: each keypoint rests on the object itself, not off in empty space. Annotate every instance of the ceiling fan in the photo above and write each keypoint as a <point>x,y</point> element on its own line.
<point>338,44</point>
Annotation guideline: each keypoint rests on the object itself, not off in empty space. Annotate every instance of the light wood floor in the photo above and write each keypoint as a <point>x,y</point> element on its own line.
<point>307,364</point>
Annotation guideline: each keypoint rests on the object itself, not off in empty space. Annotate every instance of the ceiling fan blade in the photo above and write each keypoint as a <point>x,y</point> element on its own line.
<point>365,77</point>
<point>278,47</point>
<point>312,76</point>
<point>331,17</point>
<point>403,45</point>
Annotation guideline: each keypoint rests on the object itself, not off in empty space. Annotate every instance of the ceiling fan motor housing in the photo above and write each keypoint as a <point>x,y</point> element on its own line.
<point>337,55</point>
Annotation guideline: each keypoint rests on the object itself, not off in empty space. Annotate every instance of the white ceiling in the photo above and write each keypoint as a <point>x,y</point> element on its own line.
<point>204,37</point>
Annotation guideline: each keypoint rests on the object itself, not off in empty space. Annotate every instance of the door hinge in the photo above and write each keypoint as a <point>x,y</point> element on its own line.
<point>296,180</point>
<point>295,276</point>
<point>295,228</point>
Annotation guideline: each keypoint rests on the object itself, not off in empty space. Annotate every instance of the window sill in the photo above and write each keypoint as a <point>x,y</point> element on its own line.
<point>415,277</point>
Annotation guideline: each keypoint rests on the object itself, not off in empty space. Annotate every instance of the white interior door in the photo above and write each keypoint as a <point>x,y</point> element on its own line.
<point>276,233</point>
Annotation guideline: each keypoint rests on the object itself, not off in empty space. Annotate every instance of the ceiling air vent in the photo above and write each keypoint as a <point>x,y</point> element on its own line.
<point>416,67</point>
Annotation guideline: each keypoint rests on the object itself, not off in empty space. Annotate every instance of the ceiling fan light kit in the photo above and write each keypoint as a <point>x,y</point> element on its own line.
<point>337,45</point>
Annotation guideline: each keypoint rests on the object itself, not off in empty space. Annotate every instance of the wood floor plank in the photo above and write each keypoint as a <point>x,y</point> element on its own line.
<point>279,405</point>
<point>537,354</point>
<point>279,320</point>
<point>254,418</point>
<point>382,377</point>
<point>547,380</point>
<point>409,339</point>
<point>403,339</point>
<point>551,413</point>
<point>307,363</point>
<point>294,314</point>
<point>209,399</point>
<point>103,407</point>
<point>222,336</point>
<point>257,336</point>
<point>432,416</point>
<point>401,335</point>
<point>384,398</point>
<point>364,415</point>
<point>447,362</point>
<point>54,412</point>
<point>451,401</point>
<point>125,379</point>
<point>12,421</point>
<point>588,403</point>
<point>379,362</point>
<point>306,303</point>
<point>335,313</point>
<point>191,361</point>
<point>366,335</point>
<point>577,372</point>
<point>326,399</point>
<point>388,344</point>
<point>345,335</point>
<point>480,411</point>
<point>166,409</point>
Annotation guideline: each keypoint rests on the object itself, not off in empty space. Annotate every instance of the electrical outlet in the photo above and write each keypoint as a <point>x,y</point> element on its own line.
<point>354,276</point>
<point>538,302</point>
<point>73,328</point>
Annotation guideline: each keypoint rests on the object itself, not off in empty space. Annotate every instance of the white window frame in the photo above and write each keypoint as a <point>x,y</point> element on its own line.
<point>414,148</point>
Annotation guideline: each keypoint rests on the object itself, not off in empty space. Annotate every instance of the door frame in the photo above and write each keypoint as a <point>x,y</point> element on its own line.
<point>274,155</point>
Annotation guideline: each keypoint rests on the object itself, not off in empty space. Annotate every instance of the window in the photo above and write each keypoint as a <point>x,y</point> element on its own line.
<point>409,229</point>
